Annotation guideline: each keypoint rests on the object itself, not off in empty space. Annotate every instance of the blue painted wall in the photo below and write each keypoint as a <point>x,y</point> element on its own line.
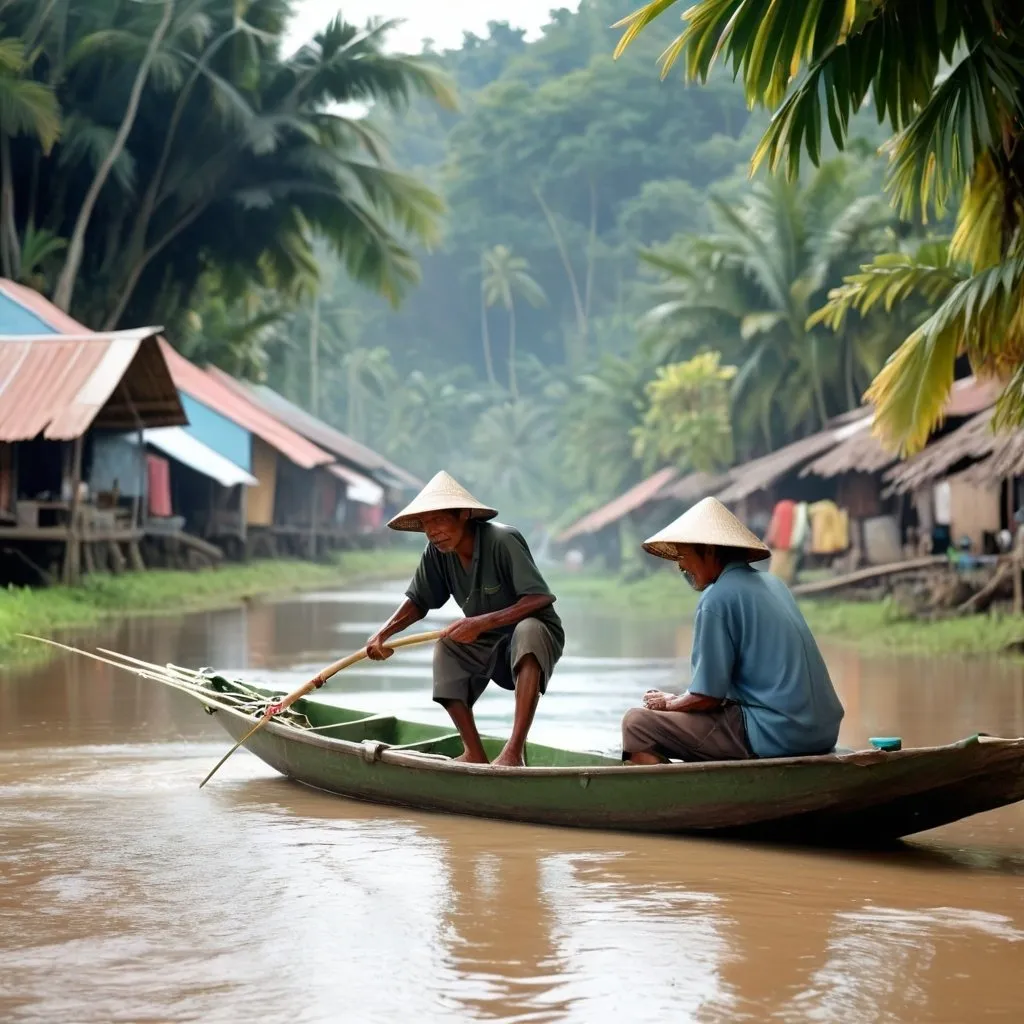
<point>16,319</point>
<point>223,436</point>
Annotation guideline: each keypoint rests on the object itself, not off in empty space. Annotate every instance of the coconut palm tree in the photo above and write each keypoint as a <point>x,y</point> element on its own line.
<point>506,277</point>
<point>749,289</point>
<point>28,109</point>
<point>951,90</point>
<point>193,142</point>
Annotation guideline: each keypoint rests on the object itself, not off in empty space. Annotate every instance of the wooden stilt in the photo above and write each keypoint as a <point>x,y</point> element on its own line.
<point>72,549</point>
<point>135,556</point>
<point>115,558</point>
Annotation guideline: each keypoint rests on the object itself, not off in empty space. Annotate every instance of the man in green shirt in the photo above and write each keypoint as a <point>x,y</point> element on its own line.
<point>511,633</point>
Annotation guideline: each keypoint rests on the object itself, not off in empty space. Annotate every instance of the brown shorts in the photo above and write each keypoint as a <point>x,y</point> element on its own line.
<point>462,671</point>
<point>718,735</point>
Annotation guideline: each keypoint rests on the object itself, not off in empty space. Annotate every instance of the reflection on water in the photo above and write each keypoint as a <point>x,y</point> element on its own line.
<point>127,894</point>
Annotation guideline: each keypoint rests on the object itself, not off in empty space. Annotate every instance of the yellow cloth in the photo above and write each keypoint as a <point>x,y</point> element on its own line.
<point>830,528</point>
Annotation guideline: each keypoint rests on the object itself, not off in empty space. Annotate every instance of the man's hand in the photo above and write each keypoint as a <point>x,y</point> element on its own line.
<point>465,631</point>
<point>375,649</point>
<point>655,700</point>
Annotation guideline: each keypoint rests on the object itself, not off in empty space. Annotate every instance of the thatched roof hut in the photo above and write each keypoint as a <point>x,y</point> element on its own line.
<point>973,441</point>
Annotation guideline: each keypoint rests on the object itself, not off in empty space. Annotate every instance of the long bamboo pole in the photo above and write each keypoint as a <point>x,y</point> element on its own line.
<point>315,683</point>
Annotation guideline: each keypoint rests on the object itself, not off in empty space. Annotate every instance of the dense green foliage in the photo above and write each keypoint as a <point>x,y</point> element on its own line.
<point>603,246</point>
<point>522,363</point>
<point>948,80</point>
<point>145,144</point>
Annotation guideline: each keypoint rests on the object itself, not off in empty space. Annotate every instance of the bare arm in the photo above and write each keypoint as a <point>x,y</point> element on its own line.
<point>655,700</point>
<point>408,613</point>
<point>466,631</point>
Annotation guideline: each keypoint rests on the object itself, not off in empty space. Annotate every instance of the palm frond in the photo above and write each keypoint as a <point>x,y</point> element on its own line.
<point>889,280</point>
<point>84,140</point>
<point>980,317</point>
<point>29,108</point>
<point>935,154</point>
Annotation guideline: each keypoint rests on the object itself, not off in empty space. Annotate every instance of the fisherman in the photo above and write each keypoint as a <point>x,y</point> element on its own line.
<point>511,633</point>
<point>758,683</point>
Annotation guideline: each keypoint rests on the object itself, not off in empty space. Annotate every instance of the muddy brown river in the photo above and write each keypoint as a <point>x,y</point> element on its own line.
<point>129,895</point>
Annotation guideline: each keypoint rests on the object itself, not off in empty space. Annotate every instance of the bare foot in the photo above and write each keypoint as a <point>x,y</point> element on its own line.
<point>509,759</point>
<point>467,758</point>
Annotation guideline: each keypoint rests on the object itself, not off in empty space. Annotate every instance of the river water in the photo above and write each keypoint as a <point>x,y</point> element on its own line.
<point>129,895</point>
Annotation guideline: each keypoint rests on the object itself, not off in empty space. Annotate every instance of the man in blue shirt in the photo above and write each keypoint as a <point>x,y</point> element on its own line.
<point>759,686</point>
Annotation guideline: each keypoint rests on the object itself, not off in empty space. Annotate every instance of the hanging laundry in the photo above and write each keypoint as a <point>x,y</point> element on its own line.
<point>830,528</point>
<point>158,474</point>
<point>801,528</point>
<point>943,498</point>
<point>780,530</point>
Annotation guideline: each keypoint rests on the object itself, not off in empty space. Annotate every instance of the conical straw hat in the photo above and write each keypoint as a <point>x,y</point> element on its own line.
<point>442,494</point>
<point>708,522</point>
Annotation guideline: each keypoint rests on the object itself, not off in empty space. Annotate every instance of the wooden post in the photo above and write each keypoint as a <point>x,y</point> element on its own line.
<point>140,488</point>
<point>243,514</point>
<point>314,358</point>
<point>72,548</point>
<point>314,510</point>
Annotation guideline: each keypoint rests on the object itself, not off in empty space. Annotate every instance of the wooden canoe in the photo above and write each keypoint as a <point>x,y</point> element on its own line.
<point>860,797</point>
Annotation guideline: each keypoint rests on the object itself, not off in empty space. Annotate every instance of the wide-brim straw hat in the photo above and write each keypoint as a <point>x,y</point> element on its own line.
<point>442,494</point>
<point>708,522</point>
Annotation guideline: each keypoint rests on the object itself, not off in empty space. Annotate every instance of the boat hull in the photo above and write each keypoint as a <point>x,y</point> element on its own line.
<point>862,798</point>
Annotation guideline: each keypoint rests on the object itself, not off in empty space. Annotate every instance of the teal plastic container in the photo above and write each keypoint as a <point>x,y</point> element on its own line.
<point>886,742</point>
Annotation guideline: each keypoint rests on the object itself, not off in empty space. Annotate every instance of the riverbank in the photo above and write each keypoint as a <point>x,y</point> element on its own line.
<point>101,598</point>
<point>871,626</point>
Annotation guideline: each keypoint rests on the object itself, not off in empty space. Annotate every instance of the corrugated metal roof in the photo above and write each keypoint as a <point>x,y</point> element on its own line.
<point>636,497</point>
<point>209,387</point>
<point>60,386</point>
<point>179,444</point>
<point>41,309</point>
<point>358,487</point>
<point>327,436</point>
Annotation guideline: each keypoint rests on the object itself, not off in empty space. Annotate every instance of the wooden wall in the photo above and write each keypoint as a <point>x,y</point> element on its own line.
<point>260,503</point>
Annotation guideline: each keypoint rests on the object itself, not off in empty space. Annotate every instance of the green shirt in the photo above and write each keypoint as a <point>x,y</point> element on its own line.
<point>502,571</point>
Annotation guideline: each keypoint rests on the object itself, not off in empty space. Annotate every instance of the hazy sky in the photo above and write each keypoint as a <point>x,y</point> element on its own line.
<point>444,21</point>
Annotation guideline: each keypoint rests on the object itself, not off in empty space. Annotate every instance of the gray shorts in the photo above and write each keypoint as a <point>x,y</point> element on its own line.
<point>718,735</point>
<point>462,671</point>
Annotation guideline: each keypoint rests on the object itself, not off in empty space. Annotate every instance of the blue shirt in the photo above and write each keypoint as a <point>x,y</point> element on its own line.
<point>752,645</point>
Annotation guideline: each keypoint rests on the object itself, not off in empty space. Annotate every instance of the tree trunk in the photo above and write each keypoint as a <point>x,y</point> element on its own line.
<point>819,393</point>
<point>76,248</point>
<point>314,353</point>
<point>513,383</point>
<point>10,246</point>
<point>851,390</point>
<point>589,287</point>
<point>127,288</point>
<point>151,198</point>
<point>577,301</point>
<point>485,335</point>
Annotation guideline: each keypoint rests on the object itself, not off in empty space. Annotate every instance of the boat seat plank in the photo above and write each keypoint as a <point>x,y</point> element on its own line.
<point>431,742</point>
<point>373,727</point>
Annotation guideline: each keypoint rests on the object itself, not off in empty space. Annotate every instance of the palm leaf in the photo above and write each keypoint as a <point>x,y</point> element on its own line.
<point>29,108</point>
<point>84,140</point>
<point>981,317</point>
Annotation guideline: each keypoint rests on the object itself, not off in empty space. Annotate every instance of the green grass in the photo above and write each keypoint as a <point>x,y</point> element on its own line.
<point>872,626</point>
<point>102,597</point>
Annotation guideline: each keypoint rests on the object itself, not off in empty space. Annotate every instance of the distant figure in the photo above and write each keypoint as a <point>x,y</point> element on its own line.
<point>759,686</point>
<point>511,633</point>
